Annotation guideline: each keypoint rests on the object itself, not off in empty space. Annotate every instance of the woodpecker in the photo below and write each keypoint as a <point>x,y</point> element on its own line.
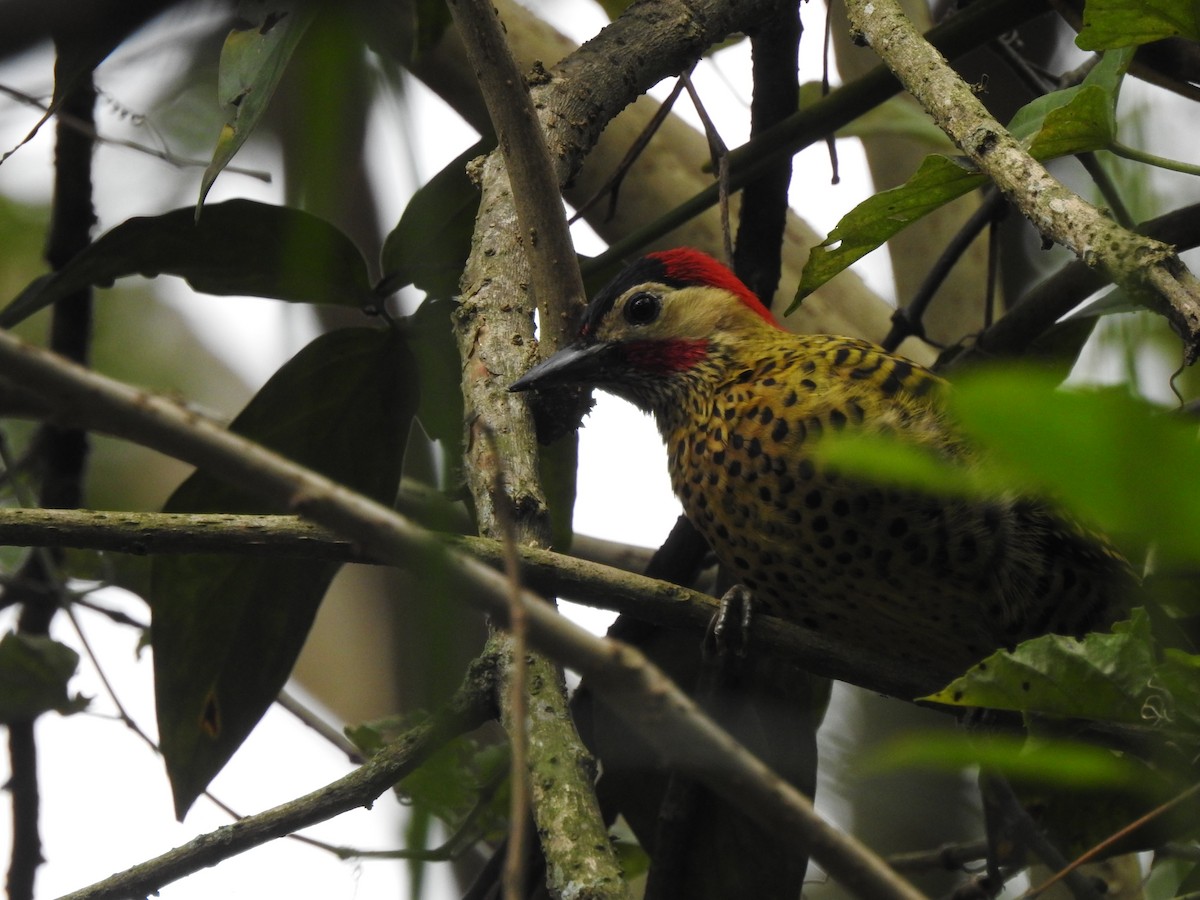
<point>741,403</point>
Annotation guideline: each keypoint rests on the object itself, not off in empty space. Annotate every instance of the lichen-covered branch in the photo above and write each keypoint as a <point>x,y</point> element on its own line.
<point>1148,269</point>
<point>623,678</point>
<point>586,582</point>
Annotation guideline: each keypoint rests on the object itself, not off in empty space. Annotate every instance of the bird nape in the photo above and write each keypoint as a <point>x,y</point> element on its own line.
<point>912,577</point>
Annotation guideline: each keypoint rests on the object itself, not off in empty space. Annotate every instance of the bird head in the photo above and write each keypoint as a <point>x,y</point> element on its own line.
<point>661,320</point>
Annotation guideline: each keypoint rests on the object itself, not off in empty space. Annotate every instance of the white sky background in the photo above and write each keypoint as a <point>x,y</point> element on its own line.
<point>106,803</point>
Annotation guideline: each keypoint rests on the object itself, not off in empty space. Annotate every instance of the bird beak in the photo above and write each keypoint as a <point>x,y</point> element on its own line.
<point>576,364</point>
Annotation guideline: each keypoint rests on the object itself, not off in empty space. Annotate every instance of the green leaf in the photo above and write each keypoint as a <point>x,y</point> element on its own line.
<point>240,247</point>
<point>253,59</point>
<point>1059,763</point>
<point>889,459</point>
<point>34,672</point>
<point>938,181</point>
<point>466,776</point>
<point>1103,677</point>
<point>1123,23</point>
<point>1112,459</point>
<point>430,244</point>
<point>1074,120</point>
<point>226,630</point>
<point>1082,117</point>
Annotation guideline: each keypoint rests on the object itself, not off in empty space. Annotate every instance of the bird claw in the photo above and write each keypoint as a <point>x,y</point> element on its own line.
<point>728,633</point>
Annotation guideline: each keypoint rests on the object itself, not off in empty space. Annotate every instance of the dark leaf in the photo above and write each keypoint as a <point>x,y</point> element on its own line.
<point>432,342</point>
<point>226,630</point>
<point>433,18</point>
<point>238,248</point>
<point>429,246</point>
<point>34,672</point>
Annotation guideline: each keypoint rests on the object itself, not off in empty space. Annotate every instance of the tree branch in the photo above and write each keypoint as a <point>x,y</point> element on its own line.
<point>1148,269</point>
<point>471,707</point>
<point>589,583</point>
<point>557,769</point>
<point>623,679</point>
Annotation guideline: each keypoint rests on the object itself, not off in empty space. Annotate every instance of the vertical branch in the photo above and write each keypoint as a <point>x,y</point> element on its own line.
<point>62,451</point>
<point>519,183</point>
<point>775,48</point>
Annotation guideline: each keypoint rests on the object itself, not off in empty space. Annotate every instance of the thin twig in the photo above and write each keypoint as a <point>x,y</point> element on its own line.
<point>89,130</point>
<point>469,709</point>
<point>720,162</point>
<point>612,186</point>
<point>1121,834</point>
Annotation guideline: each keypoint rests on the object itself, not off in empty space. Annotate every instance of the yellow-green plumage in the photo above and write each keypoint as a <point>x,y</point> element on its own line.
<point>741,403</point>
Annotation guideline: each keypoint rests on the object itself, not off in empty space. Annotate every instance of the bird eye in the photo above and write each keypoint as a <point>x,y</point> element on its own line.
<point>642,309</point>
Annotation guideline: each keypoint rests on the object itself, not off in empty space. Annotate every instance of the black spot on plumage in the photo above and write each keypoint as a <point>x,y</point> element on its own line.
<point>841,355</point>
<point>790,399</point>
<point>734,468</point>
<point>780,431</point>
<point>837,418</point>
<point>813,499</point>
<point>754,448</point>
<point>808,384</point>
<point>766,415</point>
<point>718,458</point>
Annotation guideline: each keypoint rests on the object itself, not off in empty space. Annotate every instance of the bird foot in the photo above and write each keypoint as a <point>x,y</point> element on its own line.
<point>728,633</point>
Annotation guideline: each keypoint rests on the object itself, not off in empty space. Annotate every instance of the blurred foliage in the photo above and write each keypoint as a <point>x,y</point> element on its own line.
<point>227,631</point>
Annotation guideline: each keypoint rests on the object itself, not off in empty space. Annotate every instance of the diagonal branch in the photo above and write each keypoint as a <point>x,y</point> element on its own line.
<point>1148,269</point>
<point>622,677</point>
<point>468,709</point>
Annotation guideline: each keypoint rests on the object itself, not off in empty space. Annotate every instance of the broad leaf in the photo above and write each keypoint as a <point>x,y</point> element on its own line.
<point>239,247</point>
<point>1112,459</point>
<point>254,57</point>
<point>1074,120</point>
<point>429,245</point>
<point>939,180</point>
<point>1103,677</point>
<point>226,630</point>
<point>34,672</point>
<point>1123,23</point>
